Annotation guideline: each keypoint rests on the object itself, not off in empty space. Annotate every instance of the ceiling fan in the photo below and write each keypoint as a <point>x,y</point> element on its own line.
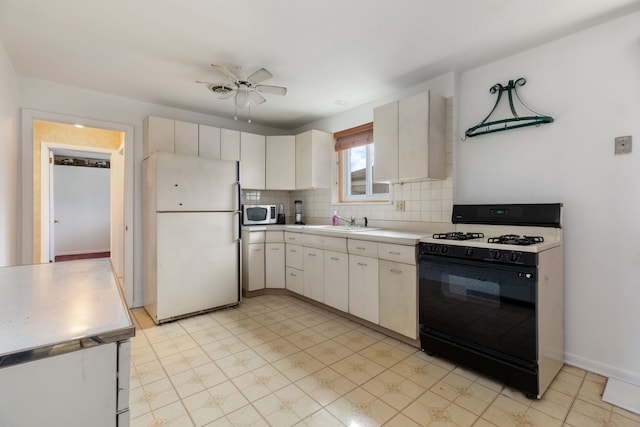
<point>244,92</point>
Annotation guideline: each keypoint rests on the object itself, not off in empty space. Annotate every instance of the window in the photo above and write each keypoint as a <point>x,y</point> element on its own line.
<point>356,159</point>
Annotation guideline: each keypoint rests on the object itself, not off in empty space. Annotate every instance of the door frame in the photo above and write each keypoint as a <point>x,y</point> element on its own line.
<point>48,149</point>
<point>25,219</point>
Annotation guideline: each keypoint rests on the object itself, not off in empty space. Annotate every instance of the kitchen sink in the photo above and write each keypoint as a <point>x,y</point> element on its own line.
<point>341,228</point>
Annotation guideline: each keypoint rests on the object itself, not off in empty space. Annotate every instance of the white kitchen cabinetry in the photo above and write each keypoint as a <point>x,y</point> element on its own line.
<point>280,158</point>
<point>313,274</point>
<point>313,159</point>
<point>398,297</point>
<point>186,138</point>
<point>253,272</point>
<point>252,161</point>
<point>409,137</point>
<point>363,287</point>
<point>274,264</point>
<point>169,136</point>
<point>336,280</point>
<point>209,142</point>
<point>158,136</point>
<point>229,144</point>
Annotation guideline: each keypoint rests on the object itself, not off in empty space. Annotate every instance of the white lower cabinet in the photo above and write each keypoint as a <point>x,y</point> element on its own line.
<point>274,265</point>
<point>363,287</point>
<point>293,270</point>
<point>253,276</point>
<point>398,298</point>
<point>314,274</point>
<point>336,280</point>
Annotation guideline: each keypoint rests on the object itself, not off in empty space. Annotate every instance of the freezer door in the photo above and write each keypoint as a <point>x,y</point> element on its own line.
<point>198,262</point>
<point>189,183</point>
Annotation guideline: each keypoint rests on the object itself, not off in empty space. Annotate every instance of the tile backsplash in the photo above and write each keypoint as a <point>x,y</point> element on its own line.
<point>425,201</point>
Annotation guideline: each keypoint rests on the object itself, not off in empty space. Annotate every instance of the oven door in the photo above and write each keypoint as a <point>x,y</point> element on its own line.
<point>487,307</point>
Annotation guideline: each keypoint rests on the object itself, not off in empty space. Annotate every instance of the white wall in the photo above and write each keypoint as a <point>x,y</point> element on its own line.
<point>68,100</point>
<point>590,83</point>
<point>8,161</point>
<point>82,207</point>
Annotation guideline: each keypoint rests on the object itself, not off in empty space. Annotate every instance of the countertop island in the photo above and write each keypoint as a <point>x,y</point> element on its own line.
<point>64,345</point>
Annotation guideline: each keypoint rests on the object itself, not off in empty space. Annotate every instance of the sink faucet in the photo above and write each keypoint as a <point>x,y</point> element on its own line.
<point>352,221</point>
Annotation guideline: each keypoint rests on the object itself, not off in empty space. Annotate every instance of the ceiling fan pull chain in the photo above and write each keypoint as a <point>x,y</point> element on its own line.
<point>249,121</point>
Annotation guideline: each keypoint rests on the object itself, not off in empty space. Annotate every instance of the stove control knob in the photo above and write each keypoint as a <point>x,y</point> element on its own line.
<point>468,251</point>
<point>444,249</point>
<point>433,248</point>
<point>514,256</point>
<point>496,255</point>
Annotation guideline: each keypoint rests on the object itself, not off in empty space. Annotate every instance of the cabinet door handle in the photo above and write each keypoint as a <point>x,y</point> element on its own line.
<point>291,238</point>
<point>292,274</point>
<point>360,248</point>
<point>395,271</point>
<point>334,259</point>
<point>363,264</point>
<point>394,253</point>
<point>293,250</point>
<point>258,249</point>
<point>275,249</point>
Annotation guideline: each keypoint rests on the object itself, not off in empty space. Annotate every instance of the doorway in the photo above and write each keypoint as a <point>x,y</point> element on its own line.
<point>63,135</point>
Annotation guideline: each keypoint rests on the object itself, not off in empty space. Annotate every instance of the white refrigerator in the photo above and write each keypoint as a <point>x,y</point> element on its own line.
<point>191,235</point>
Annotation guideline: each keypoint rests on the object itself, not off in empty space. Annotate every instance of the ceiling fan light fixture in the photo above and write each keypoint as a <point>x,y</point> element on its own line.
<point>242,98</point>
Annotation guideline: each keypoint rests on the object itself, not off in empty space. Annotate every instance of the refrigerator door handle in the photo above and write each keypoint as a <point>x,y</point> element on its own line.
<point>239,216</point>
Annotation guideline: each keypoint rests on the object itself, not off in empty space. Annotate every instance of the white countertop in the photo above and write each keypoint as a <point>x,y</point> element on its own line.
<point>59,307</point>
<point>372,234</point>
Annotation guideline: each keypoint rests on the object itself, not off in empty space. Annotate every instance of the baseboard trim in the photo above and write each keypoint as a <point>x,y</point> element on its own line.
<point>602,368</point>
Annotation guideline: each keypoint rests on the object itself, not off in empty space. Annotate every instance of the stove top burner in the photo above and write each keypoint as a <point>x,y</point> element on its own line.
<point>457,235</point>
<point>514,239</point>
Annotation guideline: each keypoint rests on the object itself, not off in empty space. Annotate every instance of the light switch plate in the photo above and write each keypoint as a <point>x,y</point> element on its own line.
<point>623,145</point>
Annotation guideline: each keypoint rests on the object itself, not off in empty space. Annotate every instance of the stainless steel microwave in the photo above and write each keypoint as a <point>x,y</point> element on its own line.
<point>258,214</point>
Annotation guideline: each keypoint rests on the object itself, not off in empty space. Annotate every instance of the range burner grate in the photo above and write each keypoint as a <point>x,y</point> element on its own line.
<point>514,239</point>
<point>457,235</point>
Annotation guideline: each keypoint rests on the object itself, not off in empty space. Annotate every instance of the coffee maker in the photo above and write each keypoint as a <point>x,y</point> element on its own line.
<point>281,217</point>
<point>298,205</point>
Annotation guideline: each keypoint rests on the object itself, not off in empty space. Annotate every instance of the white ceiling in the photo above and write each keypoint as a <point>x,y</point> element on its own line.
<point>323,51</point>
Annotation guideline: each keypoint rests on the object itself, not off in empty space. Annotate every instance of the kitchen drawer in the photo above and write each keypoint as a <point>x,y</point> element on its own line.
<point>399,253</point>
<point>294,256</point>
<point>363,248</point>
<point>295,238</point>
<point>336,244</point>
<point>294,280</point>
<point>274,237</point>
<point>254,236</point>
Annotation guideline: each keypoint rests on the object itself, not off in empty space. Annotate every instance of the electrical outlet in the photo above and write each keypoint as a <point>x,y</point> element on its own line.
<point>623,145</point>
<point>399,205</point>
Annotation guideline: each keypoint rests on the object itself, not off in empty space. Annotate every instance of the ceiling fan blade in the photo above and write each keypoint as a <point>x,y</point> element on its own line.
<point>276,90</point>
<point>207,83</point>
<point>255,98</point>
<point>259,76</point>
<point>226,72</point>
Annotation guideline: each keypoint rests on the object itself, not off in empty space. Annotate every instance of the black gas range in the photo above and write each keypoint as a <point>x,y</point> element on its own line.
<point>482,302</point>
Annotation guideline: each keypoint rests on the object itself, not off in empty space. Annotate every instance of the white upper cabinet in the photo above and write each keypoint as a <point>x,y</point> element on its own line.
<point>169,136</point>
<point>158,136</point>
<point>280,162</point>
<point>252,161</point>
<point>313,159</point>
<point>229,144</point>
<point>209,142</point>
<point>409,137</point>
<point>186,138</point>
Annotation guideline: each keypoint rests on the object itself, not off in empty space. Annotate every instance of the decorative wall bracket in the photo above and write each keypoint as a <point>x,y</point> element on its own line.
<point>514,122</point>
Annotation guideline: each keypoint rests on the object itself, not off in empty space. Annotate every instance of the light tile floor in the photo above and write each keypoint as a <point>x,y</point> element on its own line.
<point>278,361</point>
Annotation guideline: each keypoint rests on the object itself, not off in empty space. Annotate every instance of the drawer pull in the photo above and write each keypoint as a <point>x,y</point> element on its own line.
<point>293,274</point>
<point>334,259</point>
<point>360,248</point>
<point>275,249</point>
<point>363,264</point>
<point>257,249</point>
<point>394,253</point>
<point>395,271</point>
<point>293,250</point>
<point>311,254</point>
<point>291,238</point>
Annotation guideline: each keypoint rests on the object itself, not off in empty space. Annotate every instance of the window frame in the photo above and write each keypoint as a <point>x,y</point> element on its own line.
<point>344,171</point>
